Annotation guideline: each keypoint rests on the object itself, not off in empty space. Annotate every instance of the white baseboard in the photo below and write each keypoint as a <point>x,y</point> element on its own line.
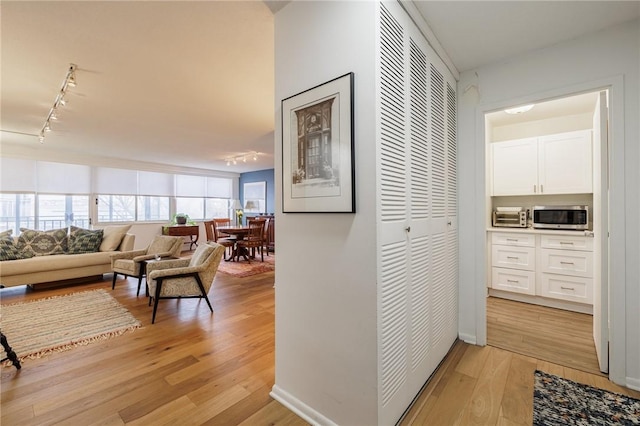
<point>543,301</point>
<point>633,383</point>
<point>301,409</point>
<point>468,338</point>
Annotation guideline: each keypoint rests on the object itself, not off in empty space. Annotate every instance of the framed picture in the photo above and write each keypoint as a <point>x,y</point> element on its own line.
<point>255,197</point>
<point>318,168</point>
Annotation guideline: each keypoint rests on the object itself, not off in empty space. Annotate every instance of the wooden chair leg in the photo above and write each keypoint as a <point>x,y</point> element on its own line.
<point>113,283</point>
<point>156,299</point>
<point>204,294</point>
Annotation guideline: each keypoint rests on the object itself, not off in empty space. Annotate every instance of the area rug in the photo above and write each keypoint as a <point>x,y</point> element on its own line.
<point>558,401</point>
<point>59,323</point>
<point>245,269</point>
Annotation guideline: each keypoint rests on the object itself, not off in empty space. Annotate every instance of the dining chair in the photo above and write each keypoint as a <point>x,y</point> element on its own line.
<point>214,235</point>
<point>222,221</point>
<point>270,235</point>
<point>254,240</point>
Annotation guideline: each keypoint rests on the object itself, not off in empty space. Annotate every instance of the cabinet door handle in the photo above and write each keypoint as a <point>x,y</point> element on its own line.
<point>534,189</point>
<point>567,288</point>
<point>541,188</point>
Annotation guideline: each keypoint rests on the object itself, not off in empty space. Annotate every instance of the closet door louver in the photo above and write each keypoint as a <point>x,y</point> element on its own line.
<point>416,178</point>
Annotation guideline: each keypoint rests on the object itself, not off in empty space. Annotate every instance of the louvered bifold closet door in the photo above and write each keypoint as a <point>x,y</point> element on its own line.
<point>417,301</point>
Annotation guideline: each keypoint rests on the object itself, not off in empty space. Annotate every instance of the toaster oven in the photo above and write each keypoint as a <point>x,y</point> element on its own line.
<point>510,217</point>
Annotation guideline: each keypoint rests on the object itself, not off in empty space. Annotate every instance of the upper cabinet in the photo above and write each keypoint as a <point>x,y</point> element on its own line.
<point>553,164</point>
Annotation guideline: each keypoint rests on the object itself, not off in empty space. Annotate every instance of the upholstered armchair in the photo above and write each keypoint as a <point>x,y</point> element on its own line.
<point>184,278</point>
<point>130,263</point>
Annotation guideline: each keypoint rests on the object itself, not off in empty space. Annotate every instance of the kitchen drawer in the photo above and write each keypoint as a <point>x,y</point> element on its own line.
<point>513,257</point>
<point>508,239</point>
<point>573,289</point>
<point>567,262</point>
<point>513,280</point>
<point>566,242</point>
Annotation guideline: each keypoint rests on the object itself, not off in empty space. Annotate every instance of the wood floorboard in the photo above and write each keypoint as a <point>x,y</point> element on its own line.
<point>193,367</point>
<point>554,335</point>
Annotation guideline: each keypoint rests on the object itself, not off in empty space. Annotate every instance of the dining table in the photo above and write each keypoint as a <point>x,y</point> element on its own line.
<point>236,233</point>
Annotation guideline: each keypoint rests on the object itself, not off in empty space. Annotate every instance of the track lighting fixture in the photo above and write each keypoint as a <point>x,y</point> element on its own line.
<point>69,81</point>
<point>234,160</point>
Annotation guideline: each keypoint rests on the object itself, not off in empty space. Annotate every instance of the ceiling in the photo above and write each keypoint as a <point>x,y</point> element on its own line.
<point>190,84</point>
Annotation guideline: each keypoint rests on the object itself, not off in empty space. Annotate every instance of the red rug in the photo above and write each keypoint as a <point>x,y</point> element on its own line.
<point>245,269</point>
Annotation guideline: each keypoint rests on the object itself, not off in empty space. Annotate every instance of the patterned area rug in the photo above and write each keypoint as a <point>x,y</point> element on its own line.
<point>59,323</point>
<point>558,401</point>
<point>245,269</point>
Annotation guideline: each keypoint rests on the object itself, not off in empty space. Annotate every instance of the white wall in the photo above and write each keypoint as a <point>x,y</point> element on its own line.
<point>326,360</point>
<point>609,57</point>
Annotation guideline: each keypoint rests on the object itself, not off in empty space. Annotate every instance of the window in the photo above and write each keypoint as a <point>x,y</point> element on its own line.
<point>116,208</point>
<point>61,211</point>
<point>17,211</point>
<point>152,208</point>
<point>216,207</point>
<point>192,206</point>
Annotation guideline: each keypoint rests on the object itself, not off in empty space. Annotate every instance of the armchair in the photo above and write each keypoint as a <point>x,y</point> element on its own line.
<point>130,263</point>
<point>184,278</point>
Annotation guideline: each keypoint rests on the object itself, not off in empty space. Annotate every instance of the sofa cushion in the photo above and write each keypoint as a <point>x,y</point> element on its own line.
<point>54,263</point>
<point>113,237</point>
<point>84,240</point>
<point>42,243</point>
<point>8,248</point>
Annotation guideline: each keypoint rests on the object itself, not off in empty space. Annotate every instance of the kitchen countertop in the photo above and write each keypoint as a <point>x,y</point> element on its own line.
<point>540,231</point>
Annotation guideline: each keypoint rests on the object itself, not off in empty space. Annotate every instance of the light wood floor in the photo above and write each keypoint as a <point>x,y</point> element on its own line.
<point>193,368</point>
<point>554,335</point>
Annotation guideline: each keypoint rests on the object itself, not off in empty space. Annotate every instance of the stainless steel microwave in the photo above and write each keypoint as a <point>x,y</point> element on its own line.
<point>561,217</point>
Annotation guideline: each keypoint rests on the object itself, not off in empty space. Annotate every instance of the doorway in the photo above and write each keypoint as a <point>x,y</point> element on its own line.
<point>523,318</point>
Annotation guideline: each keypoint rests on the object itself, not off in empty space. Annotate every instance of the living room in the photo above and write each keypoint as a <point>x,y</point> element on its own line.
<point>321,311</point>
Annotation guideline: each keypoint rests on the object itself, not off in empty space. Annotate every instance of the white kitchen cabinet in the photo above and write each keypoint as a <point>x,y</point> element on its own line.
<point>553,164</point>
<point>515,167</point>
<point>547,265</point>
<point>565,164</point>
<point>513,262</point>
<point>566,268</point>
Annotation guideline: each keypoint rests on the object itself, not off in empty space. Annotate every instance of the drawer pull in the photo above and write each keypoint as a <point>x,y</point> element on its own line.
<point>567,288</point>
<point>515,240</point>
<point>566,242</point>
<point>566,263</point>
<point>513,281</point>
<point>513,257</point>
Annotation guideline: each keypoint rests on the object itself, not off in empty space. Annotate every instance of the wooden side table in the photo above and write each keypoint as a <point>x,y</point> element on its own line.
<point>190,231</point>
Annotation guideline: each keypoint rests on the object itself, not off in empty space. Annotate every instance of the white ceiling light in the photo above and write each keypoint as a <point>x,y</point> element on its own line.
<point>69,81</point>
<point>520,109</point>
<point>234,160</point>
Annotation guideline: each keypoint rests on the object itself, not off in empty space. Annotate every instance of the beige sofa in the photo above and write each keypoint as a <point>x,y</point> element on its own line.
<point>60,267</point>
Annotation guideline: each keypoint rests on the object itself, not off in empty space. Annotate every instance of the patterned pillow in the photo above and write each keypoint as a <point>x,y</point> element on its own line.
<point>84,240</point>
<point>42,243</point>
<point>8,250</point>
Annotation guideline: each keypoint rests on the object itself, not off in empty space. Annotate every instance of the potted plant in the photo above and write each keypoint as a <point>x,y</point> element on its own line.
<point>181,219</point>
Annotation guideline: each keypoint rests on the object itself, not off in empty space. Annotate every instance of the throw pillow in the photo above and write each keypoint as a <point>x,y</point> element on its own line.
<point>42,243</point>
<point>113,237</point>
<point>6,233</point>
<point>84,240</point>
<point>8,249</point>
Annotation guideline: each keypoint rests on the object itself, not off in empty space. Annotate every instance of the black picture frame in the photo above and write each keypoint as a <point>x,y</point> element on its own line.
<point>318,162</point>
